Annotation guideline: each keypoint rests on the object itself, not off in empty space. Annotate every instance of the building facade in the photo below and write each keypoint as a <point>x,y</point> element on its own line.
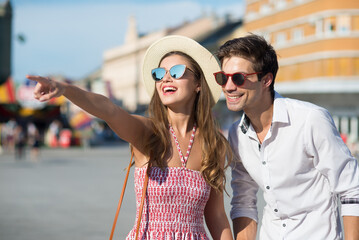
<point>317,42</point>
<point>121,69</point>
<point>5,40</point>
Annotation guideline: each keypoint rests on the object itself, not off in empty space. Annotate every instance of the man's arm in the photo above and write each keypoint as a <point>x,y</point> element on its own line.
<point>351,227</point>
<point>244,228</point>
<point>334,160</point>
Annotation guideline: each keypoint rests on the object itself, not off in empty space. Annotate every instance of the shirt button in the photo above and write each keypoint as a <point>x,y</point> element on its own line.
<point>284,225</point>
<point>276,210</point>
<point>268,187</point>
<point>264,163</point>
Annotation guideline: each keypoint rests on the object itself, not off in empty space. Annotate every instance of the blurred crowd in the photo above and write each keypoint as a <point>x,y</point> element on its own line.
<point>22,139</point>
<point>15,138</point>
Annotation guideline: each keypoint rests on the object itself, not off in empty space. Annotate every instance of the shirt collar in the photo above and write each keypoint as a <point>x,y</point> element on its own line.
<point>280,111</point>
<point>244,123</point>
<point>280,114</point>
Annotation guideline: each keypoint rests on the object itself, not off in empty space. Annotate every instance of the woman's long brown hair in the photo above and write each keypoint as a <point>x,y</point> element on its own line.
<point>213,144</point>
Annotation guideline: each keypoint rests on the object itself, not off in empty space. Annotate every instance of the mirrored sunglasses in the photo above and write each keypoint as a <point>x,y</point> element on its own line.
<point>238,78</point>
<point>176,72</point>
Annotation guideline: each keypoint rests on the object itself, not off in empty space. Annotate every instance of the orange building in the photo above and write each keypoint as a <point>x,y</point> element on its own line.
<point>317,42</point>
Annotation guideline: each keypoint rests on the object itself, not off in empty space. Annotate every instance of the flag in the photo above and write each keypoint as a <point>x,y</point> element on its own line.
<point>7,92</point>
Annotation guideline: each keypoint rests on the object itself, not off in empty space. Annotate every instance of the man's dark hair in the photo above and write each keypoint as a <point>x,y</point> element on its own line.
<point>255,49</point>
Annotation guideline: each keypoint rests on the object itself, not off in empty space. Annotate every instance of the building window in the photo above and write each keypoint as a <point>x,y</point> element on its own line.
<point>319,27</point>
<point>251,15</point>
<point>280,38</point>
<point>280,4</point>
<point>265,9</point>
<point>329,26</point>
<point>343,23</point>
<point>297,35</point>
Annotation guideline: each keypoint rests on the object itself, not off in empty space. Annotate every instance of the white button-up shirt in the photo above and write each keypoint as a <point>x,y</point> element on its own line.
<point>303,168</point>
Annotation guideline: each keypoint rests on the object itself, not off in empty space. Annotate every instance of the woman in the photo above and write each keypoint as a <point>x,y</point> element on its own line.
<point>178,145</point>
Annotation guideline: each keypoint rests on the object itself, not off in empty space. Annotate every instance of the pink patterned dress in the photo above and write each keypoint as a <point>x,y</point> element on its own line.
<point>175,201</point>
<point>174,204</point>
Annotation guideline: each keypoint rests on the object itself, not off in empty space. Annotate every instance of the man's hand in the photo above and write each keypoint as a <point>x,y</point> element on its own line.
<point>351,227</point>
<point>244,228</point>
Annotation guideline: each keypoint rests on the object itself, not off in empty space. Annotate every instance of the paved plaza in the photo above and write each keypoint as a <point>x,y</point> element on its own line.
<point>68,194</point>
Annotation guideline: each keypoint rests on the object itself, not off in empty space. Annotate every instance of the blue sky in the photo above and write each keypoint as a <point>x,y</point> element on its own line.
<point>69,37</point>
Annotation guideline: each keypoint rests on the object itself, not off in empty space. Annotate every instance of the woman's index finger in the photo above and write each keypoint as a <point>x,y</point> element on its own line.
<point>37,78</point>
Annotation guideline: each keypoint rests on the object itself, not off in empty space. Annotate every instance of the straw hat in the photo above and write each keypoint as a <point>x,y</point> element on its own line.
<point>208,62</point>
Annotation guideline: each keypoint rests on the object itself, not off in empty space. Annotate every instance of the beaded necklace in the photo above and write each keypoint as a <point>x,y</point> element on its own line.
<point>184,158</point>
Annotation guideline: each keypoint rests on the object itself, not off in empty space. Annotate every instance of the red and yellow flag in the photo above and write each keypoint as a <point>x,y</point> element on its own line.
<point>7,92</point>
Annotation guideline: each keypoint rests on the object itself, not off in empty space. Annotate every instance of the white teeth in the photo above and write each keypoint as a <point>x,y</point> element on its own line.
<point>233,97</point>
<point>166,89</point>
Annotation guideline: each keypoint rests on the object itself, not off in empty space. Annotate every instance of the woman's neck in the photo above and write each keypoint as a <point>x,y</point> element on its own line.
<point>180,122</point>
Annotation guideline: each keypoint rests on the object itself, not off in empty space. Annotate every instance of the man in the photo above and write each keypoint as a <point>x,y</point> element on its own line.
<point>288,148</point>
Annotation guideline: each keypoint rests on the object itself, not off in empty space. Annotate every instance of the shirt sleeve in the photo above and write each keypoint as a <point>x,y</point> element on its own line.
<point>333,159</point>
<point>244,200</point>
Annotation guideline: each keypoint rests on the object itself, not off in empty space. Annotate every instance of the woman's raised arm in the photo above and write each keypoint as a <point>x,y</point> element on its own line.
<point>125,125</point>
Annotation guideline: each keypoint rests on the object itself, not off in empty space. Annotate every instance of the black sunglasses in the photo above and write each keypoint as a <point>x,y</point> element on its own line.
<point>238,78</point>
<point>176,72</point>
